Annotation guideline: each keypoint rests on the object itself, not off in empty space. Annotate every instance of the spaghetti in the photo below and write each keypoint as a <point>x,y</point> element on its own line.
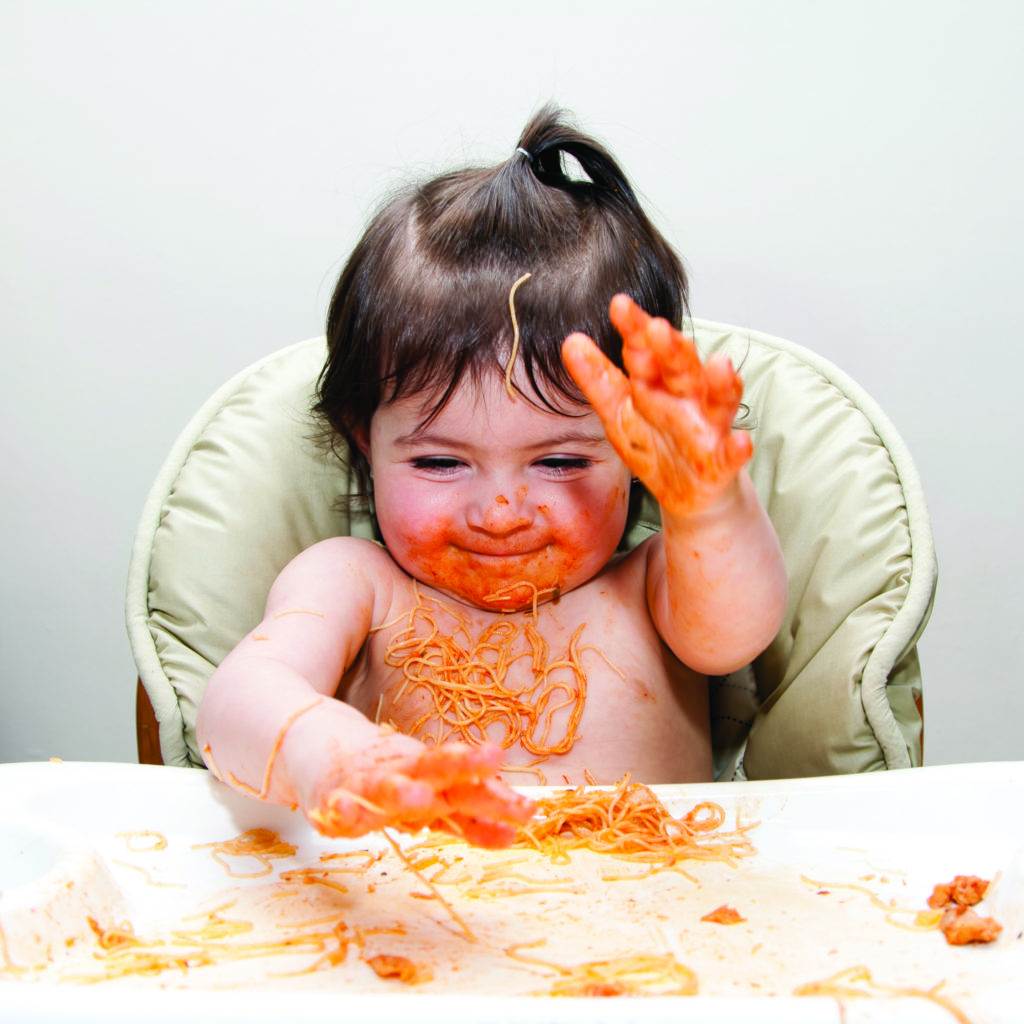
<point>464,680</point>
<point>300,611</point>
<point>467,932</point>
<point>629,822</point>
<point>122,953</point>
<point>264,791</point>
<point>315,876</point>
<point>843,985</point>
<point>262,844</point>
<point>515,334</point>
<point>157,840</point>
<point>649,975</point>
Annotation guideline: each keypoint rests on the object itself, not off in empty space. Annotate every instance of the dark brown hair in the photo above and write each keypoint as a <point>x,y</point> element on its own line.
<point>423,299</point>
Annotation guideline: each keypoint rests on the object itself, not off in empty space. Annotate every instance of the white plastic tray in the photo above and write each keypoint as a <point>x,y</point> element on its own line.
<point>891,836</point>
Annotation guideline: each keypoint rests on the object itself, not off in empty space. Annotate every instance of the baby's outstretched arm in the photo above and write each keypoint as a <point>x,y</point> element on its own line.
<point>269,724</point>
<point>716,582</point>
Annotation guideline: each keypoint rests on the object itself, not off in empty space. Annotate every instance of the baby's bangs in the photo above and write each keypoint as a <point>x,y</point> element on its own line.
<point>438,325</point>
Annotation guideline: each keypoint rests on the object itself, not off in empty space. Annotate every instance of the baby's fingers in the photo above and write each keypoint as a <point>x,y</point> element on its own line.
<point>631,322</point>
<point>677,359</point>
<point>738,449</point>
<point>449,763</point>
<point>610,394</point>
<point>373,803</point>
<point>399,796</point>
<point>604,384</point>
<point>491,835</point>
<point>725,389</point>
<point>492,800</point>
<point>628,318</point>
<point>346,814</point>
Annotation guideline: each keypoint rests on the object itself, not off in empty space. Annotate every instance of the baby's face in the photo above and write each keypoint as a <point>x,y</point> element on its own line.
<point>494,493</point>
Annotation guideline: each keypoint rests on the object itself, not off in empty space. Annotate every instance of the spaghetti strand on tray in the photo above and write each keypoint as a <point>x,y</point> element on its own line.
<point>261,844</point>
<point>844,985</point>
<point>628,821</point>
<point>638,975</point>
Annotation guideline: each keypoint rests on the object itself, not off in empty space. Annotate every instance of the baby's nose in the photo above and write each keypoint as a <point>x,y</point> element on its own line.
<point>502,515</point>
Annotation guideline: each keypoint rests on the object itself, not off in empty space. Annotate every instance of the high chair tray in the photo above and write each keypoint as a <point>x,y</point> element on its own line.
<point>122,898</point>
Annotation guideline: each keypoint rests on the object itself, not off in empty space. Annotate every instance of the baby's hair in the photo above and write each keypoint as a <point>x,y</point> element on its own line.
<point>424,297</point>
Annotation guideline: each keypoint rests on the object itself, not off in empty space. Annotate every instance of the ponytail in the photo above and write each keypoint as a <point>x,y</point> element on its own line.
<point>548,136</point>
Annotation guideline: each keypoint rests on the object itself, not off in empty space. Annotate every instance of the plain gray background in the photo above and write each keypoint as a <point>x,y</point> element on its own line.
<point>181,183</point>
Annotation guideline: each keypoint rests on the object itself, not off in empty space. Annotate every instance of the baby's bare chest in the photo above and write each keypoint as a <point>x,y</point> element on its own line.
<point>561,688</point>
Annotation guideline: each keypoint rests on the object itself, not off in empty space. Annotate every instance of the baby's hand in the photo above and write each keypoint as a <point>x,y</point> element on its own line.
<point>671,419</point>
<point>398,781</point>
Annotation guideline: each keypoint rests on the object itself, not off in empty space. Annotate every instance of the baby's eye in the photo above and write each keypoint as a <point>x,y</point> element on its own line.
<point>563,464</point>
<point>436,464</point>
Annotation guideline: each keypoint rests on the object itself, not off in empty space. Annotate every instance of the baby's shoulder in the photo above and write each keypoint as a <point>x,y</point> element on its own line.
<point>335,569</point>
<point>622,583</point>
<point>340,555</point>
<point>629,568</point>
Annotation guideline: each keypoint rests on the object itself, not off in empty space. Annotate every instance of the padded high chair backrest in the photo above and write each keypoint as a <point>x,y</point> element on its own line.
<point>244,489</point>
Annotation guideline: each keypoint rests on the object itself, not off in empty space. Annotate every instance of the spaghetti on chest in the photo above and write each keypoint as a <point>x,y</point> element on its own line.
<point>504,683</point>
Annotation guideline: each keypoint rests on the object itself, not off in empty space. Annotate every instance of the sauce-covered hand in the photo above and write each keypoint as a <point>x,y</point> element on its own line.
<point>397,781</point>
<point>671,418</point>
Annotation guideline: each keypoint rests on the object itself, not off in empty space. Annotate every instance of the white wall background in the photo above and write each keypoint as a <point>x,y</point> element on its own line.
<point>181,181</point>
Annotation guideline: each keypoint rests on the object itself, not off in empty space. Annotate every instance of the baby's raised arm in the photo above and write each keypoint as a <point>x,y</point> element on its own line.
<point>270,726</point>
<point>716,582</point>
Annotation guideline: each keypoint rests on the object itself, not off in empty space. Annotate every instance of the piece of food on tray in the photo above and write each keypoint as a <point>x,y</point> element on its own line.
<point>959,923</point>
<point>724,915</point>
<point>399,968</point>
<point>961,926</point>
<point>964,889</point>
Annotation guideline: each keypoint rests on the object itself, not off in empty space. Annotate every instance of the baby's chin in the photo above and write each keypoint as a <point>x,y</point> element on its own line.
<point>520,596</point>
<point>502,594</point>
<point>506,584</point>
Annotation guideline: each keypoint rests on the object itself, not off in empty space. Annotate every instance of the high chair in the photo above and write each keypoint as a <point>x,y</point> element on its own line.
<point>245,488</point>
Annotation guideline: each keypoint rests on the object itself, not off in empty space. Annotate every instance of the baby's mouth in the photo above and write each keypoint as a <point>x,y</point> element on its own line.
<point>503,554</point>
<point>498,552</point>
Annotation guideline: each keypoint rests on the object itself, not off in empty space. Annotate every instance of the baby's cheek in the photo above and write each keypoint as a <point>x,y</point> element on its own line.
<point>421,541</point>
<point>595,525</point>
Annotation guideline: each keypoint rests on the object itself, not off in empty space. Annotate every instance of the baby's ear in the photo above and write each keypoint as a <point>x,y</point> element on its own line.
<point>361,439</point>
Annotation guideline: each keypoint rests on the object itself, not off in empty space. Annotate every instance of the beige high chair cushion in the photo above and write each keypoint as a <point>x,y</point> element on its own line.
<point>244,489</point>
